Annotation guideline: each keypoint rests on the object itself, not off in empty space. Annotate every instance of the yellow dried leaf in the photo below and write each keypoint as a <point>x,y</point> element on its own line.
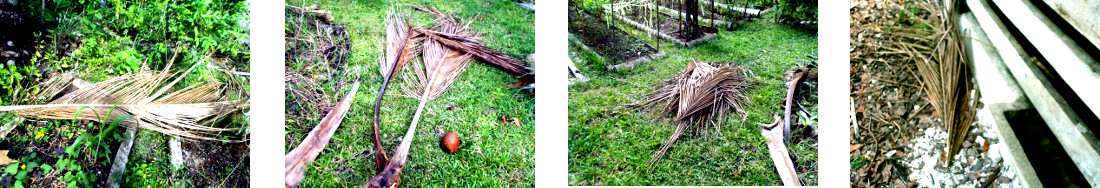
<point>4,160</point>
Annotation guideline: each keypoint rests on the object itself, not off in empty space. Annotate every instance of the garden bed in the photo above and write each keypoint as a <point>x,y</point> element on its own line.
<point>615,46</point>
<point>670,29</point>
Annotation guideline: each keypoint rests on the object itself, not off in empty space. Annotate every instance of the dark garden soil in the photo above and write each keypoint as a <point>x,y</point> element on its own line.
<point>215,162</point>
<point>616,46</point>
<point>17,39</point>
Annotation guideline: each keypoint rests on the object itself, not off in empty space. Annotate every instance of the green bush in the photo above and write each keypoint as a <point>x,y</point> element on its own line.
<point>117,37</point>
<point>801,10</point>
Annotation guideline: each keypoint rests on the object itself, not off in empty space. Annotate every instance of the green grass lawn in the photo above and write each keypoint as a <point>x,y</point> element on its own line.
<point>493,154</point>
<point>609,147</point>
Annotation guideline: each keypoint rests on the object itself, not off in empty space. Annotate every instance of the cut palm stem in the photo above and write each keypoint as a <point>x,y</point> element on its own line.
<point>299,158</point>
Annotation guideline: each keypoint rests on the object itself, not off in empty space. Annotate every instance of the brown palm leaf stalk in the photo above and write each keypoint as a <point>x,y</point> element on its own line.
<point>469,43</point>
<point>440,67</point>
<point>778,152</point>
<point>298,159</point>
<point>144,96</point>
<point>941,68</point>
<point>401,41</point>
<point>700,96</point>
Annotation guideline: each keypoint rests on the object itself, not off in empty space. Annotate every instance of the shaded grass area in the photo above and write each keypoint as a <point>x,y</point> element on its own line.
<point>611,146</point>
<point>493,154</point>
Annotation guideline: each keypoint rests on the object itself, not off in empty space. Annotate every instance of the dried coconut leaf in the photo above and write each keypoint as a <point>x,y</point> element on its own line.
<point>700,96</point>
<point>145,97</point>
<point>298,159</point>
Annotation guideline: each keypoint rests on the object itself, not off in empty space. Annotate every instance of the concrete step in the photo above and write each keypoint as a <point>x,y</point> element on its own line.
<point>1072,63</point>
<point>1081,145</point>
<point>1000,94</point>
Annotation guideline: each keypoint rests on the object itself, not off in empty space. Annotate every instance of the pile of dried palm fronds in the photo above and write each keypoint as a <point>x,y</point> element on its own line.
<point>936,47</point>
<point>145,97</point>
<point>700,97</point>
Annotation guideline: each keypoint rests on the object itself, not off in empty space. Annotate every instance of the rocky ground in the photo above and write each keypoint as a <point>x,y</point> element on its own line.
<point>978,164</point>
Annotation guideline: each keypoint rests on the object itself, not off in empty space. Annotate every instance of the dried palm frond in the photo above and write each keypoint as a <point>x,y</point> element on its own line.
<point>401,41</point>
<point>469,43</point>
<point>143,96</point>
<point>441,66</point>
<point>942,68</point>
<point>401,48</point>
<point>298,159</point>
<point>700,96</point>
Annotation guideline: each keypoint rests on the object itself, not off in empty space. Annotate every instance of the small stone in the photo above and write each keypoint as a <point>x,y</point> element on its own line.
<point>977,165</point>
<point>966,144</point>
<point>11,43</point>
<point>11,62</point>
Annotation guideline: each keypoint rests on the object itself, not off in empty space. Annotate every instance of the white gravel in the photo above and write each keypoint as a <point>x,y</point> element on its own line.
<point>925,166</point>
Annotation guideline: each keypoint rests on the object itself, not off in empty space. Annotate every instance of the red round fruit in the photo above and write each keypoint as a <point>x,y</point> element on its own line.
<point>450,143</point>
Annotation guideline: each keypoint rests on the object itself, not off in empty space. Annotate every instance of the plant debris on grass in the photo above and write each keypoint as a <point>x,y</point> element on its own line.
<point>697,96</point>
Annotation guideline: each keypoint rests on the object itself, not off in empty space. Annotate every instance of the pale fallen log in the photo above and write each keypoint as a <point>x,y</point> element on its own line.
<point>121,158</point>
<point>744,10</point>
